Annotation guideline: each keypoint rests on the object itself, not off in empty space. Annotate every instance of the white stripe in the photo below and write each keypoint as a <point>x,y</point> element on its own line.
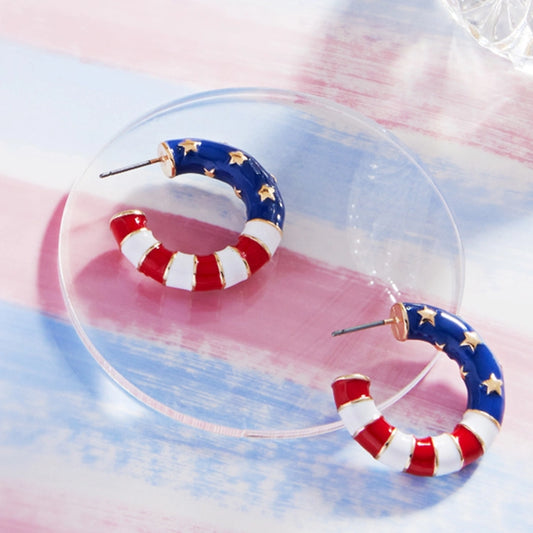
<point>264,232</point>
<point>181,271</point>
<point>449,457</point>
<point>135,245</point>
<point>358,414</point>
<point>233,267</point>
<point>483,426</point>
<point>398,452</point>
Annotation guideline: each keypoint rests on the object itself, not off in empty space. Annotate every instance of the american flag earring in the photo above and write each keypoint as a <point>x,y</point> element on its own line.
<point>445,453</point>
<point>257,243</point>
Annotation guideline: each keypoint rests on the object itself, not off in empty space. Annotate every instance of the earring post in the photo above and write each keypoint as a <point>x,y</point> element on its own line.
<point>363,326</point>
<point>132,167</point>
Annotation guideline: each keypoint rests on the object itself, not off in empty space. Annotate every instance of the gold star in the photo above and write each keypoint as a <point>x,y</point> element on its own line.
<point>493,384</point>
<point>471,339</point>
<point>237,158</point>
<point>266,191</point>
<point>428,315</point>
<point>464,373</point>
<point>209,173</point>
<point>237,193</point>
<point>440,347</point>
<point>189,146</point>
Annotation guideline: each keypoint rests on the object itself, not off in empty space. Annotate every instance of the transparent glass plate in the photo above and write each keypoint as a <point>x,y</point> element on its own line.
<point>365,227</point>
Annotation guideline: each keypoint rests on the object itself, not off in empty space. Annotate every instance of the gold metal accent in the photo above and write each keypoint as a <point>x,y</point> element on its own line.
<point>479,439</point>
<point>247,266</point>
<point>194,267</point>
<point>456,442</point>
<point>260,242</point>
<point>471,340</point>
<point>168,165</point>
<point>436,461</point>
<point>169,265</point>
<point>354,402</point>
<point>400,323</point>
<point>265,221</point>
<point>387,443</point>
<point>427,315</point>
<point>440,347</point>
<point>209,173</point>
<point>351,376</point>
<point>237,158</point>
<point>220,270</point>
<point>129,235</point>
<point>267,191</point>
<point>157,244</point>
<point>126,212</point>
<point>238,193</point>
<point>493,384</point>
<point>486,415</point>
<point>189,145</point>
<point>411,453</point>
<point>463,373</point>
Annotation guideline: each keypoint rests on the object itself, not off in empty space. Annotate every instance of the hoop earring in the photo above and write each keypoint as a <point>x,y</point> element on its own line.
<point>448,452</point>
<point>224,268</point>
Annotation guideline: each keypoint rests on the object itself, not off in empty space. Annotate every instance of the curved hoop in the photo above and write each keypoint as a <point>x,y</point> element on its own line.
<point>224,268</point>
<point>448,452</point>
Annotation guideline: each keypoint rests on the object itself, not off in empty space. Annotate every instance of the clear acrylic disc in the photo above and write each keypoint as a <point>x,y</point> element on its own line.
<point>365,227</point>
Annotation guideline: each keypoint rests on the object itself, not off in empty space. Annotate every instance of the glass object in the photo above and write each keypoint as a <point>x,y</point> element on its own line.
<point>365,227</point>
<point>503,26</point>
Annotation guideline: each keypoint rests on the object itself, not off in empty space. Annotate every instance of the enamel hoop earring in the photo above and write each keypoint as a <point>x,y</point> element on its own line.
<point>257,243</point>
<point>448,452</point>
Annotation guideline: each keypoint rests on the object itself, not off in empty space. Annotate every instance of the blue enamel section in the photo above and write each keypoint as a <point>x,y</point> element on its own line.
<point>248,177</point>
<point>478,364</point>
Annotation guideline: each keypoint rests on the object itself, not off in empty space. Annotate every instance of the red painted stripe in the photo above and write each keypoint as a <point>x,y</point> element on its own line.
<point>125,224</point>
<point>374,436</point>
<point>252,252</point>
<point>155,263</point>
<point>207,273</point>
<point>350,388</point>
<point>423,458</point>
<point>471,448</point>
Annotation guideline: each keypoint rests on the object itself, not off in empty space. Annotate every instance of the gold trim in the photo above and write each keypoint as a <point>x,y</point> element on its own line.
<point>436,460</point>
<point>194,267</point>
<point>247,266</point>
<point>456,442</point>
<point>377,417</point>
<point>169,265</point>
<point>411,453</point>
<point>168,164</point>
<point>354,402</point>
<point>134,232</point>
<point>220,270</point>
<point>351,376</point>
<point>486,415</point>
<point>400,324</point>
<point>126,212</point>
<point>386,444</point>
<point>258,241</point>
<point>478,437</point>
<point>157,244</point>
<point>266,222</point>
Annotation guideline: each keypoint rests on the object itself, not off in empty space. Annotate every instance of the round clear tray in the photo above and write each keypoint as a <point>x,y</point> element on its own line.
<point>365,227</point>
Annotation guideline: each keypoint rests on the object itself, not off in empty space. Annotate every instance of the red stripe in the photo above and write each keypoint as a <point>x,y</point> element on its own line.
<point>374,436</point>
<point>155,263</point>
<point>423,458</point>
<point>125,224</point>
<point>350,388</point>
<point>252,252</point>
<point>471,448</point>
<point>207,273</point>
